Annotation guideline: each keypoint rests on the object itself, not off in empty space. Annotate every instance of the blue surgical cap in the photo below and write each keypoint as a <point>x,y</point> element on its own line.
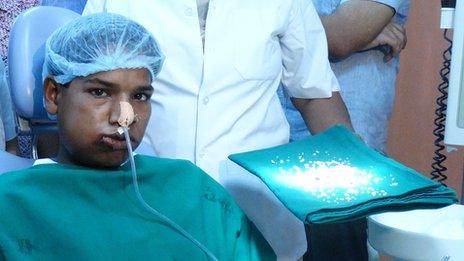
<point>97,43</point>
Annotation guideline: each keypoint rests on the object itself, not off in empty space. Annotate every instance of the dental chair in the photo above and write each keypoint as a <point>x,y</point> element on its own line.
<point>419,235</point>
<point>25,60</point>
<point>26,55</point>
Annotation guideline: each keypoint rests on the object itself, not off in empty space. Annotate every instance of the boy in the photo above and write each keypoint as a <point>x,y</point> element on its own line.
<point>83,206</point>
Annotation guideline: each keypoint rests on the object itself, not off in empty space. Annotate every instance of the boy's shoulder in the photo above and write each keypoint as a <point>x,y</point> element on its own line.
<point>15,186</point>
<point>9,177</point>
<point>14,180</point>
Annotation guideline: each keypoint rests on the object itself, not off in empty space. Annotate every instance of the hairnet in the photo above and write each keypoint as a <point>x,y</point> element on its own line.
<point>100,42</point>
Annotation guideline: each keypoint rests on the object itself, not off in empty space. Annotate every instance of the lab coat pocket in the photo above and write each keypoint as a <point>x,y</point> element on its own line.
<point>257,54</point>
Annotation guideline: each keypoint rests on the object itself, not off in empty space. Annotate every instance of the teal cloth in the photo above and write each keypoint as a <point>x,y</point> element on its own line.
<point>334,177</point>
<point>65,212</point>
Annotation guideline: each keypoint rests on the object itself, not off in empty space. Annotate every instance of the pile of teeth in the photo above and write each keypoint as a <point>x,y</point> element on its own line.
<point>335,181</point>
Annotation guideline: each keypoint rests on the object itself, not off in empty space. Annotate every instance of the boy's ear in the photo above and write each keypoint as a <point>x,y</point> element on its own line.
<point>51,90</point>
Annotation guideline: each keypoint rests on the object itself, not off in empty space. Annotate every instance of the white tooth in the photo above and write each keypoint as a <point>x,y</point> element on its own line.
<point>120,130</point>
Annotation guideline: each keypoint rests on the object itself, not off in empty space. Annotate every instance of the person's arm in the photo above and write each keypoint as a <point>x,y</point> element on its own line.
<point>307,75</point>
<point>355,25</point>
<point>320,114</point>
<point>393,35</point>
<point>306,70</point>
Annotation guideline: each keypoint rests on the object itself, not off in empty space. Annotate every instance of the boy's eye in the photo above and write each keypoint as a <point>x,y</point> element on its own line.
<point>99,92</point>
<point>141,97</point>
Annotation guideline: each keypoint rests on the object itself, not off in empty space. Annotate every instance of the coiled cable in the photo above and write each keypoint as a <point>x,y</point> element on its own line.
<point>438,172</point>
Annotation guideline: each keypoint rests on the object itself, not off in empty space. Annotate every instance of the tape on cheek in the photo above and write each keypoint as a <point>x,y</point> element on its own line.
<point>126,116</point>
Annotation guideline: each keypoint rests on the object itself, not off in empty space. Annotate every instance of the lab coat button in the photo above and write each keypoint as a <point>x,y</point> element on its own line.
<point>205,100</point>
<point>189,11</point>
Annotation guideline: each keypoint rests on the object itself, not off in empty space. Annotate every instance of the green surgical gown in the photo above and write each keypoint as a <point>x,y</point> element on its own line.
<point>65,212</point>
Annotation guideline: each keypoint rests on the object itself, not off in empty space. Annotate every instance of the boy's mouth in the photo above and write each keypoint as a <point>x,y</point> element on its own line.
<point>115,141</point>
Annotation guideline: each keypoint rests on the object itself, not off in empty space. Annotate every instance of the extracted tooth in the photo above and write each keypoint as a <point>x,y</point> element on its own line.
<point>126,116</point>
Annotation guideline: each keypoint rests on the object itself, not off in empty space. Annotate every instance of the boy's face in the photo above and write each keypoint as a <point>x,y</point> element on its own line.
<point>88,111</point>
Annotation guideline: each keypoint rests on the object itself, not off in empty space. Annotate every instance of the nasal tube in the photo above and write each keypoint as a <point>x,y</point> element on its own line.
<point>126,118</point>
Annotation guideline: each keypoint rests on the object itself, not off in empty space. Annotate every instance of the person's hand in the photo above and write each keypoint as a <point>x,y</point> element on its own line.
<point>394,35</point>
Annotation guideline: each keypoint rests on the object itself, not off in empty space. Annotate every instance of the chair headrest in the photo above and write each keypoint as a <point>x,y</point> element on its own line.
<point>26,55</point>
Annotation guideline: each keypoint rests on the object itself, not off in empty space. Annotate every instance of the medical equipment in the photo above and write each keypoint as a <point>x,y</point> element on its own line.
<point>126,118</point>
<point>454,128</point>
<point>451,100</point>
<point>433,234</point>
<point>449,103</point>
<point>454,131</point>
<point>127,115</point>
<point>438,172</point>
<point>419,234</point>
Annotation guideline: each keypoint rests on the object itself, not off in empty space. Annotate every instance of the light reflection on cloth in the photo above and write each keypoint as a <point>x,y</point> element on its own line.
<point>334,177</point>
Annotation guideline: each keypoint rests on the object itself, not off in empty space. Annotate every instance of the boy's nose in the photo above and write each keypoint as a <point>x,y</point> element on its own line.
<point>126,114</point>
<point>121,114</point>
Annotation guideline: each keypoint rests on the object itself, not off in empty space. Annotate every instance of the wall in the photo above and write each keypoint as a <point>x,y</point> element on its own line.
<point>411,129</point>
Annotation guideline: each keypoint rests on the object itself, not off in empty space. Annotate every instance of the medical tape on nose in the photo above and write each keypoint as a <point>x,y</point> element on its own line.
<point>126,115</point>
